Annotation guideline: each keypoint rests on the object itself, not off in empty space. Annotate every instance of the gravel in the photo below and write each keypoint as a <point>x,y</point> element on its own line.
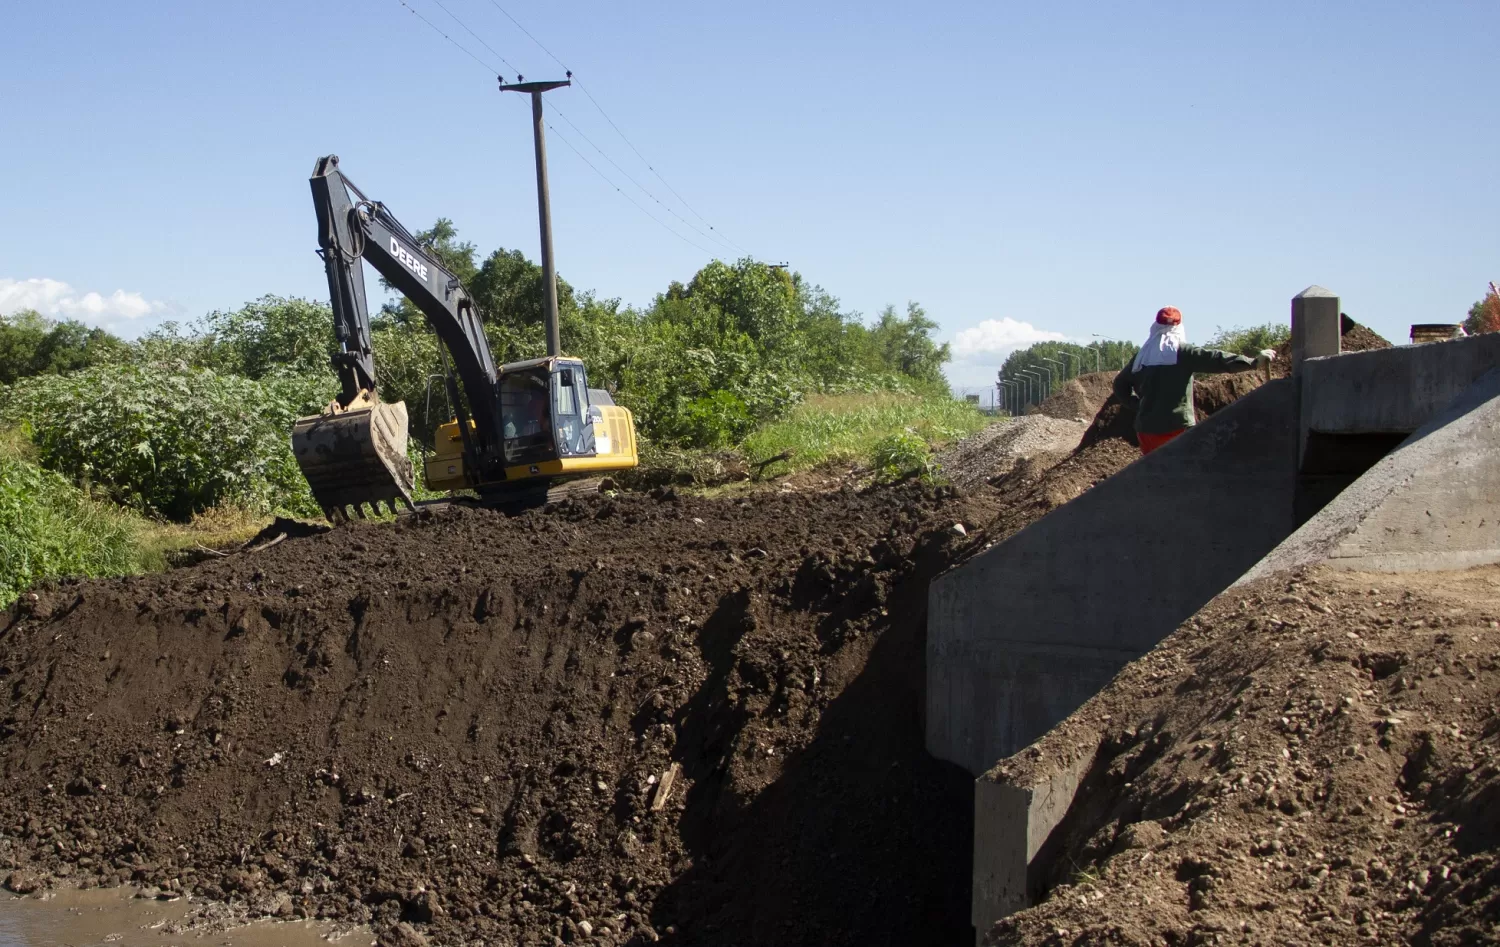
<point>995,450</point>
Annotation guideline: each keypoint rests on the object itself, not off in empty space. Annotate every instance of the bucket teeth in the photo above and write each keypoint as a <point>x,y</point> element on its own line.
<point>355,456</point>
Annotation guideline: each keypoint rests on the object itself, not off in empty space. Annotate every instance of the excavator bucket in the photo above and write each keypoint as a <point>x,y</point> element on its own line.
<point>356,455</point>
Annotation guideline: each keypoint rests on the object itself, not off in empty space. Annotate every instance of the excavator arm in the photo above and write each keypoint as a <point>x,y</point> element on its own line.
<point>355,451</point>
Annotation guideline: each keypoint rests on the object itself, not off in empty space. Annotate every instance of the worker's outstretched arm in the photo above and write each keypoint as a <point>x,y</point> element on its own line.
<point>1213,361</point>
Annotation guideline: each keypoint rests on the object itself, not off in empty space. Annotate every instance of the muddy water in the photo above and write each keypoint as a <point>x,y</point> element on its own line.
<point>114,916</point>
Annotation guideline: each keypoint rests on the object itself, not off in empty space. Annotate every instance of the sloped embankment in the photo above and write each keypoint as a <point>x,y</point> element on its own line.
<point>675,719</point>
<point>1310,759</point>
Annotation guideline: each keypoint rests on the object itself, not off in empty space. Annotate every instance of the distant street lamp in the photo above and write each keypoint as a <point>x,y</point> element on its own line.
<point>1048,372</point>
<point>1059,365</point>
<point>1035,376</point>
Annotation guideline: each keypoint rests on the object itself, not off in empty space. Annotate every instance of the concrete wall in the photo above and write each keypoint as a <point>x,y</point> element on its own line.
<point>1432,503</point>
<point>1011,822</point>
<point>1022,635</point>
<point>1397,389</point>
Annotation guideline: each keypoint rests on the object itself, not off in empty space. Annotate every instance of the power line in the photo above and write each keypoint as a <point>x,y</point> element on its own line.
<point>621,133</point>
<point>487,67</point>
<point>528,34</point>
<point>632,180</point>
<point>563,138</point>
<point>652,168</point>
<point>476,36</point>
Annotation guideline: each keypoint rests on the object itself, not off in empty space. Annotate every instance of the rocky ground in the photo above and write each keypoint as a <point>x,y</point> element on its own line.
<point>1311,759</point>
<point>995,451</point>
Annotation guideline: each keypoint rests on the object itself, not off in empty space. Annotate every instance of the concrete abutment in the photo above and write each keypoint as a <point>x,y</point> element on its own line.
<point>1024,634</point>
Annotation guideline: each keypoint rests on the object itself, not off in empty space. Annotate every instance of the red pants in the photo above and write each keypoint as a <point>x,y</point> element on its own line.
<point>1150,442</point>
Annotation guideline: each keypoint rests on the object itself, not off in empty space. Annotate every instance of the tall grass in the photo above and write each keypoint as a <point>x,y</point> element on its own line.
<point>48,527</point>
<point>844,428</point>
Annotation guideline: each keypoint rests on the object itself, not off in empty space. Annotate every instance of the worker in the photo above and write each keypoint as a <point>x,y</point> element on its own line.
<point>1162,375</point>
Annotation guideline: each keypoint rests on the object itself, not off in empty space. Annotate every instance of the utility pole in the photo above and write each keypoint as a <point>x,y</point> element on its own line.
<point>543,202</point>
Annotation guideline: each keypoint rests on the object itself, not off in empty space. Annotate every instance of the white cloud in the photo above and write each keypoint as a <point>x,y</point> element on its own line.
<point>993,339</point>
<point>59,300</point>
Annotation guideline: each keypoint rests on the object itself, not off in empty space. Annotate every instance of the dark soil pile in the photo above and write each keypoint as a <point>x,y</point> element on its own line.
<point>1353,337</point>
<point>1080,398</point>
<point>621,720</point>
<point>1310,760</point>
<point>1039,485</point>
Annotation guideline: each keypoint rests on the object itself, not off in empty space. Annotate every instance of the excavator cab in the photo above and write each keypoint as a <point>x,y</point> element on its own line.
<point>553,425</point>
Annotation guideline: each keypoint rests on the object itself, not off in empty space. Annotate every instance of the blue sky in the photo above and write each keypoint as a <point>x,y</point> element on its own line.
<point>1019,170</point>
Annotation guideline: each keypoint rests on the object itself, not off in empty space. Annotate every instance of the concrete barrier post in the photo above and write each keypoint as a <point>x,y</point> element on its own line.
<point>1315,325</point>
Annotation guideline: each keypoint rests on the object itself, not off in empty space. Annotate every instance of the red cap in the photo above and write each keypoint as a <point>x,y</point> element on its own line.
<point>1169,316</point>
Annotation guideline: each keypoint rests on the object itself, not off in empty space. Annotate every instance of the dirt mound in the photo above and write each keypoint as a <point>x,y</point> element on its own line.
<point>1041,484</point>
<point>626,719</point>
<point>1080,398</point>
<point>995,451</point>
<point>1353,337</point>
<point>1307,760</point>
<point>1359,338</point>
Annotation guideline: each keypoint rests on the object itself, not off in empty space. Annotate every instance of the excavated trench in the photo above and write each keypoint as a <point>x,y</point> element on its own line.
<point>468,724</point>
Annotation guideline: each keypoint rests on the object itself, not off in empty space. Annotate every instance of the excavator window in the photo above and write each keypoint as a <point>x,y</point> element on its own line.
<point>575,427</point>
<point>524,416</point>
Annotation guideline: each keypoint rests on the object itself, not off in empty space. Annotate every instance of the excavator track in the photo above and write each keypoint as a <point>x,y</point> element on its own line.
<point>514,500</point>
<point>355,456</point>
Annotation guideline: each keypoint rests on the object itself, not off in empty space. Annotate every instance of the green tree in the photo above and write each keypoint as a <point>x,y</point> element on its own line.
<point>32,344</point>
<point>1068,359</point>
<point>750,298</point>
<point>271,336</point>
<point>905,344</point>
<point>48,527</point>
<point>442,244</point>
<point>509,291</point>
<point>408,369</point>
<point>1484,316</point>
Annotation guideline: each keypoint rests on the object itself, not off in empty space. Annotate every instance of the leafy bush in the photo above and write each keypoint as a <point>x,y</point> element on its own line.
<point>901,456</point>
<point>171,441</point>
<point>1250,341</point>
<point>48,527</point>
<point>272,337</point>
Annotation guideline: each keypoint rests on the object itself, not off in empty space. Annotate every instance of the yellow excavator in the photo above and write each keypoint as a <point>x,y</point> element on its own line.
<point>522,433</point>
